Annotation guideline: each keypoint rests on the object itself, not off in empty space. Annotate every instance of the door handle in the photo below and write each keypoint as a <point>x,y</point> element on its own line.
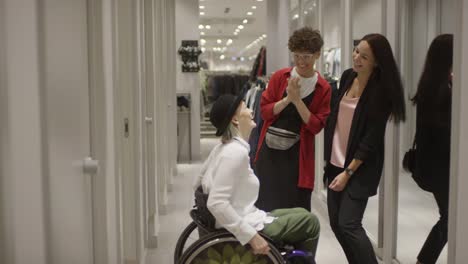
<point>148,120</point>
<point>90,165</point>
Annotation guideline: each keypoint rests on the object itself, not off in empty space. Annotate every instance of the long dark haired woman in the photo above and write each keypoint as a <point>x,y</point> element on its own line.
<point>370,94</point>
<point>433,100</point>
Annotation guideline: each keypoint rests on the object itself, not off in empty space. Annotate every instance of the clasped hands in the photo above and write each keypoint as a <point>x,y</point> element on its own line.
<point>293,91</point>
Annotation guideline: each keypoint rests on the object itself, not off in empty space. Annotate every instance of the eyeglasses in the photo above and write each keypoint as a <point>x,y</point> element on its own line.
<point>305,57</point>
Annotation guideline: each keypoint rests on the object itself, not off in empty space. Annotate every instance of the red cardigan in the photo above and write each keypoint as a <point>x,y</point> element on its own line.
<point>319,109</point>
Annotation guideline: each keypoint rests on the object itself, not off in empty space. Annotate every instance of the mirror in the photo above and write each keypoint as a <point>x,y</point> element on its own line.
<point>418,212</point>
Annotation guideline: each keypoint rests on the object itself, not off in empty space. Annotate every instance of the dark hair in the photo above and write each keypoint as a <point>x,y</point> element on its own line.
<point>388,98</point>
<point>434,81</point>
<point>305,39</point>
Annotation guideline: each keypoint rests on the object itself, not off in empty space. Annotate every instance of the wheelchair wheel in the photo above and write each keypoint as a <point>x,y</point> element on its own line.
<point>223,247</point>
<point>187,238</point>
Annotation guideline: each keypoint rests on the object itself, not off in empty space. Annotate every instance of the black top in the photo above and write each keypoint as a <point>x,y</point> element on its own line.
<point>433,128</point>
<point>289,118</point>
<point>366,139</point>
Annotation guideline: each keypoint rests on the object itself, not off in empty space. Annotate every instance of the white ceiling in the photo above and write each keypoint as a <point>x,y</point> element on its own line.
<point>224,17</point>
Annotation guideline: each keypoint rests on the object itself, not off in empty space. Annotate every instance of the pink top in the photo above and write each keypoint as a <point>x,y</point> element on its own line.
<point>343,127</point>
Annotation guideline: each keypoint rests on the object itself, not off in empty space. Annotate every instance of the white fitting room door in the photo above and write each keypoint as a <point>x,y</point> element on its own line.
<point>66,126</point>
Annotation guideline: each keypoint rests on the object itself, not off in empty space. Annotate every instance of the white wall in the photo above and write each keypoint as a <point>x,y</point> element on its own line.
<point>22,192</point>
<point>187,20</point>
<point>458,230</point>
<point>331,24</point>
<point>278,34</point>
<point>367,17</point>
<point>447,16</point>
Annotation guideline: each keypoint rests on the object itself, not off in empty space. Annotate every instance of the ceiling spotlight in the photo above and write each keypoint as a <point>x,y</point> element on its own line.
<point>201,27</point>
<point>296,16</point>
<point>245,21</point>
<point>240,27</point>
<point>202,33</point>
<point>203,49</point>
<point>237,30</point>
<point>254,7</point>
<point>264,35</point>
<point>222,57</point>
<point>202,41</point>
<point>208,27</point>
<point>202,7</point>
<point>218,41</point>
<point>215,49</point>
<point>235,33</point>
<point>315,4</point>
<point>305,13</point>
<point>249,13</point>
<point>242,58</point>
<point>259,0</point>
<point>229,42</point>
<point>202,13</point>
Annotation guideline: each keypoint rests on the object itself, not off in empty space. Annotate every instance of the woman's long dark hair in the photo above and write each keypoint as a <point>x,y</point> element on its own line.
<point>433,86</point>
<point>388,98</point>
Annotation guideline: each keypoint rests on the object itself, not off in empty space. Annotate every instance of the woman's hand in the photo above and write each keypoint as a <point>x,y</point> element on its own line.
<point>259,245</point>
<point>294,90</point>
<point>339,183</point>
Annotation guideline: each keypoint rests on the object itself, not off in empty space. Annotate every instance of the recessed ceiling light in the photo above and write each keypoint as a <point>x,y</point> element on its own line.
<point>208,27</point>
<point>202,41</point>
<point>229,42</point>
<point>218,41</point>
<point>235,33</point>
<point>237,30</point>
<point>222,57</point>
<point>242,58</point>
<point>305,13</point>
<point>254,7</point>
<point>296,16</point>
<point>264,35</point>
<point>245,21</point>
<point>249,13</point>
<point>202,33</point>
<point>202,7</point>
<point>203,49</point>
<point>240,27</point>
<point>202,13</point>
<point>201,27</point>
<point>259,0</point>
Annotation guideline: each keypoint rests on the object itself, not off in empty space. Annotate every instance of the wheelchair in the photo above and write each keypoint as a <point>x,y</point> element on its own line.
<point>201,243</point>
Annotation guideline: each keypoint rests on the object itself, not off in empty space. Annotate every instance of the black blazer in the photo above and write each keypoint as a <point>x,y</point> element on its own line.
<point>433,128</point>
<point>366,139</point>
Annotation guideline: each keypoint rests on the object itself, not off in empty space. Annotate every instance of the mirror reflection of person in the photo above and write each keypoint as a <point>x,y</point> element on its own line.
<point>433,121</point>
<point>294,108</point>
<point>232,187</point>
<point>370,93</point>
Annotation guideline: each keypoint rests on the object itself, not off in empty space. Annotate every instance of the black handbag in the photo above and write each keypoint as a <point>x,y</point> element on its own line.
<point>409,165</point>
<point>409,160</point>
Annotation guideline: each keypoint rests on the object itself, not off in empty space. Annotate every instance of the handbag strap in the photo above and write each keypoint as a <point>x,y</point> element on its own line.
<point>414,139</point>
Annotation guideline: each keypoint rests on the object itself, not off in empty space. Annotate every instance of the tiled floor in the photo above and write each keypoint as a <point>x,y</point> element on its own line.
<point>413,204</point>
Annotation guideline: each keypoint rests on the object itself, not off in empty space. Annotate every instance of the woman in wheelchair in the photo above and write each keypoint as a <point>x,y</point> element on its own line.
<point>232,187</point>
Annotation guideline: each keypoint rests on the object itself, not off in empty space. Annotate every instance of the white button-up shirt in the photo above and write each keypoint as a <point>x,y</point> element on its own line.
<point>233,190</point>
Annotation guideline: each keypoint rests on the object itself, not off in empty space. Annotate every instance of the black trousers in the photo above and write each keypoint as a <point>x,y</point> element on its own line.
<point>437,238</point>
<point>346,215</point>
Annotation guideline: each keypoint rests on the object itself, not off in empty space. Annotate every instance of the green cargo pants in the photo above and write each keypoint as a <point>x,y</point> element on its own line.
<point>294,226</point>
